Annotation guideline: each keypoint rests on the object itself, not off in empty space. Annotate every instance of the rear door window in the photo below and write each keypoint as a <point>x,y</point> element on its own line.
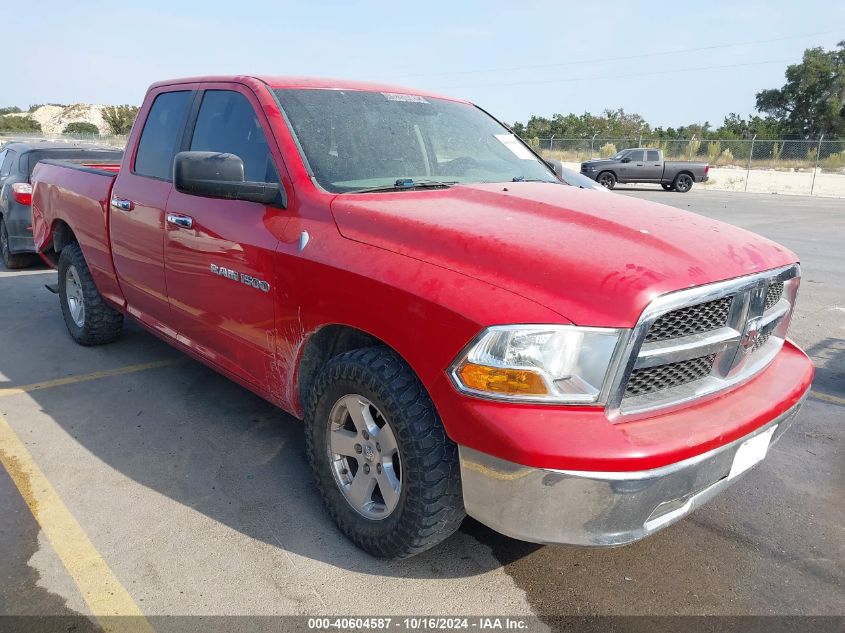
<point>162,135</point>
<point>653,157</point>
<point>227,122</point>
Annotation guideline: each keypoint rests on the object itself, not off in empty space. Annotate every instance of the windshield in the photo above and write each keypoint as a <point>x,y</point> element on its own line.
<point>355,140</point>
<point>620,155</point>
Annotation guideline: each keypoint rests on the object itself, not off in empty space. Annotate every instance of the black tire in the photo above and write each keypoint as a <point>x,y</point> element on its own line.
<point>100,323</point>
<point>667,187</point>
<point>606,179</point>
<point>12,261</point>
<point>682,183</point>
<point>430,502</point>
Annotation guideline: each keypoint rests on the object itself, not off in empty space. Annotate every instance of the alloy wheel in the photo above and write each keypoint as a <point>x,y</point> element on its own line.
<point>364,457</point>
<point>75,297</point>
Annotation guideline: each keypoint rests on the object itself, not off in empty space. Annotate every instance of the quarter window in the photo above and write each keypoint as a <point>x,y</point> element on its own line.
<point>161,135</point>
<point>6,165</point>
<point>227,123</point>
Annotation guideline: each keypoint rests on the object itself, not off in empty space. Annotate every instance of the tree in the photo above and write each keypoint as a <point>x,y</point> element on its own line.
<point>10,110</point>
<point>19,124</point>
<point>120,118</point>
<point>812,101</point>
<point>81,127</point>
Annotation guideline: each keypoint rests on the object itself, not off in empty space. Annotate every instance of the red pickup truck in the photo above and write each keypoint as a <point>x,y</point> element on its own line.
<point>461,332</point>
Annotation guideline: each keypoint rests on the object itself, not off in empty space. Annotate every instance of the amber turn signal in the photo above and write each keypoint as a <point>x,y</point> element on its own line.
<point>502,380</point>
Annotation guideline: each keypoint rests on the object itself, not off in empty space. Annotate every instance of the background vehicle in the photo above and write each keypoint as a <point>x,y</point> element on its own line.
<point>642,164</point>
<point>461,332</point>
<point>17,160</point>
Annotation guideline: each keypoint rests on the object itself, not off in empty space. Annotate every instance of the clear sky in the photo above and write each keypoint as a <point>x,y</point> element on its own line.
<point>514,58</point>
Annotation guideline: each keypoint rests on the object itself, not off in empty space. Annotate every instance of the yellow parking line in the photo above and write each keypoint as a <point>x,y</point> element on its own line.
<point>827,397</point>
<point>70,380</point>
<point>102,591</point>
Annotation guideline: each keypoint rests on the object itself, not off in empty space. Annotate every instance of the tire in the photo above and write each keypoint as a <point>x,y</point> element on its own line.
<point>96,323</point>
<point>682,183</point>
<point>667,187</point>
<point>414,455</point>
<point>606,179</point>
<point>12,261</point>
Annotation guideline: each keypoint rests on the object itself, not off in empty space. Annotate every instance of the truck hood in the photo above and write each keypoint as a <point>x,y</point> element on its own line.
<point>598,162</point>
<point>594,259</point>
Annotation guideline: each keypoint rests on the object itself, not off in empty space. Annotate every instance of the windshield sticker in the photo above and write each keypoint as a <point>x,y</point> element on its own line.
<point>396,96</point>
<point>514,145</point>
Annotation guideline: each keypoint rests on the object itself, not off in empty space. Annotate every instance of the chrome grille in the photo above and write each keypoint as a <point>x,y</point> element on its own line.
<point>703,317</point>
<point>773,294</point>
<point>698,341</point>
<point>653,379</point>
<point>763,336</point>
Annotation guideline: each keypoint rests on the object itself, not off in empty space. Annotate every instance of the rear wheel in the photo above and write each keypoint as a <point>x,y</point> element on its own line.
<point>385,468</point>
<point>88,318</point>
<point>607,180</point>
<point>11,260</point>
<point>683,183</point>
<point>666,186</point>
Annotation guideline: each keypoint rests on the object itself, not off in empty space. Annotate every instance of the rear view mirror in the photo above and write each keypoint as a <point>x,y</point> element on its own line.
<point>221,175</point>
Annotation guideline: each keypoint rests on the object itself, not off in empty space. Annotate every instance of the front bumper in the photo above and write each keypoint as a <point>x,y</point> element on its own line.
<point>597,508</point>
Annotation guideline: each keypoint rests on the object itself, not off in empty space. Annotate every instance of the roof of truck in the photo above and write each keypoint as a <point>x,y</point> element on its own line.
<point>321,83</point>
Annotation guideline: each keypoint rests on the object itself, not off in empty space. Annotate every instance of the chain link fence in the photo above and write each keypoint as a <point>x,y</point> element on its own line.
<point>815,167</point>
<point>112,140</point>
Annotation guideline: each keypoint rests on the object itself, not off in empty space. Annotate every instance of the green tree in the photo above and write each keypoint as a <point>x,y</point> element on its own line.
<point>120,118</point>
<point>19,124</point>
<point>812,101</point>
<point>10,110</point>
<point>81,127</point>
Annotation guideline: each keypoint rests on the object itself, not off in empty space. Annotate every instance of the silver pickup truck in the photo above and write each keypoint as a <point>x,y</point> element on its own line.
<point>642,164</point>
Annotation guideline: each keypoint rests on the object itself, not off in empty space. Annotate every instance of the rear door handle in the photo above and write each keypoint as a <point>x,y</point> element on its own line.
<point>122,203</point>
<point>179,219</point>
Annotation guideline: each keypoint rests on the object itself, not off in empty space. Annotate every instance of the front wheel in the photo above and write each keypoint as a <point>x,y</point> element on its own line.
<point>607,180</point>
<point>683,183</point>
<point>89,320</point>
<point>385,468</point>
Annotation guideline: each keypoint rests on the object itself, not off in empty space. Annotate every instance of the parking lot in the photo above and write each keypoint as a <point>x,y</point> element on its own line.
<point>179,492</point>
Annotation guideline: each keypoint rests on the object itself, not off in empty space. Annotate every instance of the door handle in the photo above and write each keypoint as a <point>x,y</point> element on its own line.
<point>122,203</point>
<point>180,220</point>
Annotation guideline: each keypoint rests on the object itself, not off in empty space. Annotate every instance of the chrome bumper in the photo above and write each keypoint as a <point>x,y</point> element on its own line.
<point>596,508</point>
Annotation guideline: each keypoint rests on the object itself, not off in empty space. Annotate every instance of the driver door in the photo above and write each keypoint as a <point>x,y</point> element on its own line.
<point>631,169</point>
<point>219,254</point>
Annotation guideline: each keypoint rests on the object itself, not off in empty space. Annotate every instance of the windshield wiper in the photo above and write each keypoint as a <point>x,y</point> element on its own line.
<point>403,184</point>
<point>524,179</point>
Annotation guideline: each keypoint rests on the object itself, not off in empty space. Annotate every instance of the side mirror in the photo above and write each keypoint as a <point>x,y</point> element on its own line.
<point>221,175</point>
<point>626,160</point>
<point>556,166</point>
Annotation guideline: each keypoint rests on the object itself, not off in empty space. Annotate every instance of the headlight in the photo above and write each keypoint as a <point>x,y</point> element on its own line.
<point>561,364</point>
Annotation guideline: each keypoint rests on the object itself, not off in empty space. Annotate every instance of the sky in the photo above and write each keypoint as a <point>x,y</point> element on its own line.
<point>674,63</point>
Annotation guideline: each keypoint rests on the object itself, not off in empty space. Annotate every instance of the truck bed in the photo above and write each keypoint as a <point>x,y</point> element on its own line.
<point>81,190</point>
